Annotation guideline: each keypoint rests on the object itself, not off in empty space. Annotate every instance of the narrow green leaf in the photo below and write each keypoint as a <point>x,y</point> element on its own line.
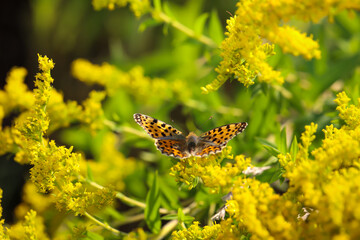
<point>93,236</point>
<point>168,11</point>
<point>157,5</point>
<point>90,175</point>
<point>294,148</point>
<point>152,215</point>
<point>180,215</point>
<point>169,193</point>
<point>188,219</point>
<point>170,217</point>
<point>271,148</point>
<point>148,23</point>
<point>273,151</point>
<point>283,145</point>
<point>216,31</point>
<point>200,23</point>
<point>270,175</point>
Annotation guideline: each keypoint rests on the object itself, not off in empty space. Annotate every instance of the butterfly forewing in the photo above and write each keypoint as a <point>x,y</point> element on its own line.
<point>221,135</point>
<point>155,128</point>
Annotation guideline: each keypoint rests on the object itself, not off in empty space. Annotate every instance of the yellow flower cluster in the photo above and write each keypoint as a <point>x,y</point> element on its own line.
<point>245,50</point>
<point>2,232</point>
<point>55,168</point>
<point>350,114</point>
<point>224,230</point>
<point>139,234</point>
<point>32,227</point>
<point>93,114</point>
<point>263,213</point>
<point>243,56</point>
<point>210,171</point>
<point>328,182</point>
<point>32,199</point>
<point>325,182</point>
<point>133,81</point>
<point>15,94</point>
<point>196,232</point>
<point>76,198</point>
<point>62,114</point>
<point>110,163</point>
<point>139,7</point>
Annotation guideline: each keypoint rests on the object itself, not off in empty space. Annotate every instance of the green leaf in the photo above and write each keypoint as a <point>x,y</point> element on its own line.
<point>270,175</point>
<point>200,23</point>
<point>180,215</point>
<point>188,219</point>
<point>273,151</point>
<point>271,148</point>
<point>152,215</point>
<point>157,5</point>
<point>294,148</point>
<point>148,23</point>
<point>169,194</point>
<point>170,217</point>
<point>90,176</point>
<point>93,236</point>
<point>216,31</point>
<point>168,11</point>
<point>283,145</point>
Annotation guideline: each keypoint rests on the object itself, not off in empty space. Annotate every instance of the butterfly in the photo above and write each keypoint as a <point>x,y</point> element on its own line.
<point>172,142</point>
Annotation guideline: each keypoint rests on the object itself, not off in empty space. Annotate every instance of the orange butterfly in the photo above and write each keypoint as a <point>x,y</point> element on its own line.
<point>172,142</point>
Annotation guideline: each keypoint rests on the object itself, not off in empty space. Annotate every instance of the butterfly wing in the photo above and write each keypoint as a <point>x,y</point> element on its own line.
<point>168,140</point>
<point>173,148</point>
<point>156,128</point>
<point>215,140</point>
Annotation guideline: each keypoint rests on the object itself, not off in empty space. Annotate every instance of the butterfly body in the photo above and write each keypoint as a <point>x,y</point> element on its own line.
<point>172,142</point>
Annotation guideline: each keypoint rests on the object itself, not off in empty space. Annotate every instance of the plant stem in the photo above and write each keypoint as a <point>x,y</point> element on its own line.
<point>104,225</point>
<point>201,38</point>
<point>125,199</point>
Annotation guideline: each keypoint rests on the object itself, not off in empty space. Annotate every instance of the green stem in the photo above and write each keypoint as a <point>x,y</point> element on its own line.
<point>125,199</point>
<point>104,225</point>
<point>112,125</point>
<point>201,38</point>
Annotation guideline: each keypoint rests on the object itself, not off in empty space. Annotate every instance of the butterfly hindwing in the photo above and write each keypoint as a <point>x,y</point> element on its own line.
<point>205,151</point>
<point>173,148</point>
<point>221,135</point>
<point>156,128</point>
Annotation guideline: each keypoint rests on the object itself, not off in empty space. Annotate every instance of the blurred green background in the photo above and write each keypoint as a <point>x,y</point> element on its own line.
<point>67,30</point>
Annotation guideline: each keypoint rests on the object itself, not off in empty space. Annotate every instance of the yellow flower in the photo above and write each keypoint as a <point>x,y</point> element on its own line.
<point>261,212</point>
<point>37,122</point>
<point>134,82</point>
<point>350,114</point>
<point>209,170</point>
<point>139,234</point>
<point>256,22</point>
<point>327,181</point>
<point>76,198</point>
<point>32,227</point>
<point>93,114</point>
<point>16,94</point>
<point>32,199</point>
<point>61,114</point>
<point>139,7</point>
<point>3,235</point>
<point>196,232</point>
